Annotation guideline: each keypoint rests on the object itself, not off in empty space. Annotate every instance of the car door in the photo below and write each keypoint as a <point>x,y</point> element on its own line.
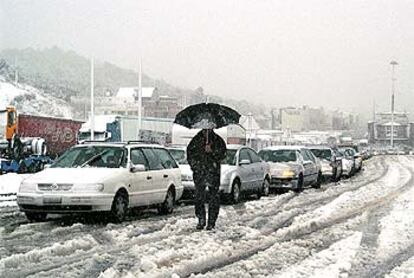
<point>157,193</point>
<point>246,171</point>
<point>258,168</point>
<point>171,173</point>
<point>309,166</point>
<point>140,182</point>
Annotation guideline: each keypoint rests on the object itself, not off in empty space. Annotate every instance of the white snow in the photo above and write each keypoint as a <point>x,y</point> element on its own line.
<point>9,183</point>
<point>327,263</point>
<point>317,233</point>
<point>397,228</point>
<point>30,100</point>
<point>405,270</point>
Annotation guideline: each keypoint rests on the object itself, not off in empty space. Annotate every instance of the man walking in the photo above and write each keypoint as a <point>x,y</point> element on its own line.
<point>204,155</point>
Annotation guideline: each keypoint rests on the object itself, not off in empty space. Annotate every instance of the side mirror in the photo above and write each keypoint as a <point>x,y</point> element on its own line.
<point>245,162</point>
<point>137,168</point>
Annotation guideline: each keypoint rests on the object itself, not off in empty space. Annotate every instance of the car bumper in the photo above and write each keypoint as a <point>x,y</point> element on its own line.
<point>281,182</point>
<point>65,203</point>
<point>327,172</point>
<point>188,190</point>
<point>346,171</point>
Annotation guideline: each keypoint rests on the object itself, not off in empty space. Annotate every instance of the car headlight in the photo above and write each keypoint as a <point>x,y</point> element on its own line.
<point>27,187</point>
<point>288,173</point>
<point>88,187</point>
<point>186,177</point>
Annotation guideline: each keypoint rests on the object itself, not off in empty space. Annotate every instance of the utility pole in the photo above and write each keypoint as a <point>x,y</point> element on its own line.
<point>393,64</point>
<point>92,102</point>
<point>139,100</point>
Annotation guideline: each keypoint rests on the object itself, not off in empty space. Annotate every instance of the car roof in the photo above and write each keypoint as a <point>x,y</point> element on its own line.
<point>235,146</point>
<point>288,147</point>
<point>119,144</point>
<point>319,147</point>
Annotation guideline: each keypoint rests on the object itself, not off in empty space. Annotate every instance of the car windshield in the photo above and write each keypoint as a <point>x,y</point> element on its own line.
<point>179,155</point>
<point>92,156</point>
<point>342,151</point>
<point>322,153</point>
<point>230,158</point>
<point>278,155</point>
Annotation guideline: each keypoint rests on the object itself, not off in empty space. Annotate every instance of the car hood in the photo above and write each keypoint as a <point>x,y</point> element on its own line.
<point>73,175</point>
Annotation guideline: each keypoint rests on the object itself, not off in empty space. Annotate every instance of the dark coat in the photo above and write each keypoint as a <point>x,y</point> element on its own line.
<point>206,164</point>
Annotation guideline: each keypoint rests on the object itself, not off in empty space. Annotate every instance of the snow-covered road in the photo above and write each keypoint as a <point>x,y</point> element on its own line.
<point>360,227</point>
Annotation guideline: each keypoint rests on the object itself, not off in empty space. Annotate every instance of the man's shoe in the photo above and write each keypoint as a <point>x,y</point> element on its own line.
<point>210,227</point>
<point>201,224</point>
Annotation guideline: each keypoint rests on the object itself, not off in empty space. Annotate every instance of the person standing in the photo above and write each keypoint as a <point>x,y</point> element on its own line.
<point>204,155</point>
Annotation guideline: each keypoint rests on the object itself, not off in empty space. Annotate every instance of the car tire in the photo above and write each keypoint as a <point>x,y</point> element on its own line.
<point>338,175</point>
<point>318,182</point>
<point>119,206</point>
<point>265,189</point>
<point>235,195</point>
<point>300,184</point>
<point>167,207</point>
<point>36,216</point>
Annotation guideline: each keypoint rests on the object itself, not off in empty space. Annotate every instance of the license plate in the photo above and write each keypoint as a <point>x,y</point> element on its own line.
<point>52,200</point>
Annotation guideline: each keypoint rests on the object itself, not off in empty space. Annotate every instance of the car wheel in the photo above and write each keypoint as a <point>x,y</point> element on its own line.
<point>167,206</point>
<point>119,206</point>
<point>235,193</point>
<point>318,182</point>
<point>36,216</point>
<point>338,175</point>
<point>264,191</point>
<point>300,184</point>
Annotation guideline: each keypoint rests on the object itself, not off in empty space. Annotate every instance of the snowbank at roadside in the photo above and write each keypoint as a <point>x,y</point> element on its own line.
<point>9,183</point>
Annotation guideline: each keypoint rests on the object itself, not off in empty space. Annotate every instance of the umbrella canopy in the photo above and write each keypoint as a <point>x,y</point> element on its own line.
<point>207,116</point>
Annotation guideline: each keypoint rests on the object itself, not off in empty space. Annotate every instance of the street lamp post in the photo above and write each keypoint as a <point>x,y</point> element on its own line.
<point>393,64</point>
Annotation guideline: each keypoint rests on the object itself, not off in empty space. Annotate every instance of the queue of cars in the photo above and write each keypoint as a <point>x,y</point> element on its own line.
<point>111,178</point>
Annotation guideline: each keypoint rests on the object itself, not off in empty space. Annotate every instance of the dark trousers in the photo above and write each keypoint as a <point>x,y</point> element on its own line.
<point>200,198</point>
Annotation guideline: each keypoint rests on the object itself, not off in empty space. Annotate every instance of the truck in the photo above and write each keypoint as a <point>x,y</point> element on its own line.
<point>28,142</point>
<point>122,128</point>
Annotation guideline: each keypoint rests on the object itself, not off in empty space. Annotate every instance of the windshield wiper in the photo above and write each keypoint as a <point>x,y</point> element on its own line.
<point>93,158</point>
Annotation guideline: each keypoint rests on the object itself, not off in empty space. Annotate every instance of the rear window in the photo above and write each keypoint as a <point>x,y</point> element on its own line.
<point>179,155</point>
<point>322,153</point>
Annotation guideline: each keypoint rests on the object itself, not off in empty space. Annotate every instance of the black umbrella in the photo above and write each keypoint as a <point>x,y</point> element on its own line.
<point>207,116</point>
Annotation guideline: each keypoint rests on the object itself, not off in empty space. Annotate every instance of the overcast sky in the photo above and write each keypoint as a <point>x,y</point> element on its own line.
<point>315,52</point>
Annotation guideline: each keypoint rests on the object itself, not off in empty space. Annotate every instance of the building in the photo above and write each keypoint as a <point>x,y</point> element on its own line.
<point>125,102</point>
<point>292,119</point>
<point>379,131</point>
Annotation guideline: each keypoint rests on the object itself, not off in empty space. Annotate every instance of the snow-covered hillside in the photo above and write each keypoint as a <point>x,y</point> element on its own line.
<point>30,100</point>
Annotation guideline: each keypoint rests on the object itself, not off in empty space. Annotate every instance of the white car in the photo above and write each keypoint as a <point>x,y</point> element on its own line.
<point>348,162</point>
<point>180,155</point>
<point>106,177</point>
<point>243,172</point>
<point>292,167</point>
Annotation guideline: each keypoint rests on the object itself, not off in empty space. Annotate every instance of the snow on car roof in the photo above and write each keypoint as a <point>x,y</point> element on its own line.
<point>120,144</point>
<point>319,147</point>
<point>285,148</point>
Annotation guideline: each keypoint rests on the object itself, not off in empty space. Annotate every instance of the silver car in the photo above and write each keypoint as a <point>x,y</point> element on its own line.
<point>331,163</point>
<point>292,167</point>
<point>180,155</point>
<point>243,172</point>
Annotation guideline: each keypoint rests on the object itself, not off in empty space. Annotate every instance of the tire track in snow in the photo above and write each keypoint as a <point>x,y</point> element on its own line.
<point>307,229</point>
<point>150,239</point>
